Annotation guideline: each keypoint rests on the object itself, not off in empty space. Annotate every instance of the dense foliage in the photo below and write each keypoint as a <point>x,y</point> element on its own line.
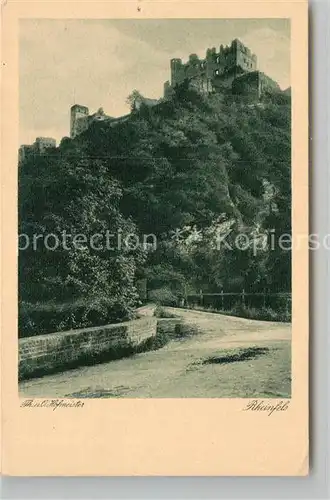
<point>75,195</point>
<point>186,171</point>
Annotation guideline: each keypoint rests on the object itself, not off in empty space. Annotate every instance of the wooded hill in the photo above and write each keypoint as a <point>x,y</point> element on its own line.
<point>179,170</point>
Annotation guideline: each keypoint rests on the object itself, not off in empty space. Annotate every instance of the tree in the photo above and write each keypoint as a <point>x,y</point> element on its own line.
<point>78,198</point>
<point>134,97</point>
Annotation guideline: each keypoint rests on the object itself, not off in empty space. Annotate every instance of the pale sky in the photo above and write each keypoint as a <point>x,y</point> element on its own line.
<point>98,63</point>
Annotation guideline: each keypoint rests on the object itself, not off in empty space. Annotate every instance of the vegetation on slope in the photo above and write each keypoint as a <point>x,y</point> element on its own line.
<point>182,170</point>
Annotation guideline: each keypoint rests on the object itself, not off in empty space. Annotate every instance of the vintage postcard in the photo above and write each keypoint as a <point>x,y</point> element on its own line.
<point>155,258</point>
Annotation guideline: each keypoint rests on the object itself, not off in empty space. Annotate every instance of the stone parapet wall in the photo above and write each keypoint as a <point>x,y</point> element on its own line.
<point>43,354</point>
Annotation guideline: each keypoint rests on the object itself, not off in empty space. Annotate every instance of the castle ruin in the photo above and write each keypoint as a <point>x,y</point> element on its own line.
<point>39,147</point>
<point>81,120</point>
<point>234,67</point>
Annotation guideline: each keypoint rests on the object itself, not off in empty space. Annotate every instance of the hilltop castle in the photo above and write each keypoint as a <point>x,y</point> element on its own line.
<point>233,69</point>
<point>81,120</point>
<point>40,145</point>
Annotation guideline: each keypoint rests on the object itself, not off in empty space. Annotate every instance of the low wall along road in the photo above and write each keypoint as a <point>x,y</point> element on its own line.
<point>44,354</point>
<point>229,357</point>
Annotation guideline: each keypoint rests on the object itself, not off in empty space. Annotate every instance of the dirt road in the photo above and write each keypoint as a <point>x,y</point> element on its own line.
<point>231,357</point>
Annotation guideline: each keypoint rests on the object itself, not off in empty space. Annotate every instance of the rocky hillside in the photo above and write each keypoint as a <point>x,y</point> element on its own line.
<point>183,167</point>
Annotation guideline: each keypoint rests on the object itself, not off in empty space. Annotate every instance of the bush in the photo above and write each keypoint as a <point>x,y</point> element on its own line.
<point>43,318</point>
<point>160,312</point>
<point>163,296</point>
<point>262,314</point>
<point>183,330</point>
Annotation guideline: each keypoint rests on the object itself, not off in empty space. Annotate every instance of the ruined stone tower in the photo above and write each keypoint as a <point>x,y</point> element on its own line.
<point>79,120</point>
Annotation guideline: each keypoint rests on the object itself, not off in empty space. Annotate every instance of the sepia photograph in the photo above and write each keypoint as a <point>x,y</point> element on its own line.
<point>154,208</point>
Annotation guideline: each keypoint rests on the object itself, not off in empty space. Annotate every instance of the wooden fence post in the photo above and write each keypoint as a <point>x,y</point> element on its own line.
<point>287,304</point>
<point>243,297</point>
<point>222,302</point>
<point>264,298</point>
